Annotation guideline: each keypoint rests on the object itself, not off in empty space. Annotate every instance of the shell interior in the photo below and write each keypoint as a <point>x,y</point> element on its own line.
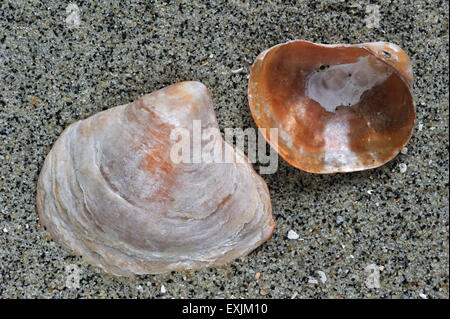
<point>338,108</point>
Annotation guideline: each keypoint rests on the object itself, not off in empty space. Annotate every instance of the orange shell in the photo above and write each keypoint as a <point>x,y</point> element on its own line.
<point>338,108</point>
<point>110,191</point>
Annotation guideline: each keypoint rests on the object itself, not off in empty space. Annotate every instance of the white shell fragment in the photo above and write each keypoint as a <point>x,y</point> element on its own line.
<point>323,276</point>
<point>109,191</point>
<point>292,234</point>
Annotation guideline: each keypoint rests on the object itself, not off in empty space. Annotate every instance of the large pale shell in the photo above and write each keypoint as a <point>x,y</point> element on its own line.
<point>338,108</point>
<point>109,191</point>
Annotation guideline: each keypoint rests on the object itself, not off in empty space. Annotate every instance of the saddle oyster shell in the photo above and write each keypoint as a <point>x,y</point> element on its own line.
<point>109,192</point>
<point>338,108</point>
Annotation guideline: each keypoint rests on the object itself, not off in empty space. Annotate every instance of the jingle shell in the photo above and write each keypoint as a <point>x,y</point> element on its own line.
<point>109,191</point>
<point>338,108</point>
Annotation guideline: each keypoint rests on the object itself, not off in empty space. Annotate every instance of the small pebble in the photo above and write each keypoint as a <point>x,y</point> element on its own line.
<point>257,275</point>
<point>402,167</point>
<point>5,230</point>
<point>323,276</point>
<point>423,296</point>
<point>373,276</point>
<point>404,150</point>
<point>339,220</point>
<point>312,281</point>
<point>294,295</point>
<point>292,234</point>
<point>163,289</point>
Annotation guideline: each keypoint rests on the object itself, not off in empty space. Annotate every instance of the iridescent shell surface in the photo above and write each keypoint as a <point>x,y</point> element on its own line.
<point>338,108</point>
<point>109,191</point>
